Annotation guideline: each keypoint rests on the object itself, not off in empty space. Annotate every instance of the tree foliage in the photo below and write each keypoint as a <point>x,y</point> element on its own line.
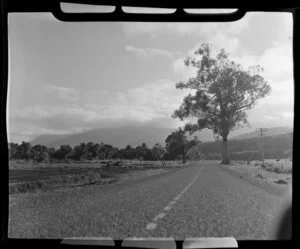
<point>222,92</point>
<point>87,151</point>
<point>63,153</point>
<point>39,153</point>
<point>177,144</point>
<point>158,151</point>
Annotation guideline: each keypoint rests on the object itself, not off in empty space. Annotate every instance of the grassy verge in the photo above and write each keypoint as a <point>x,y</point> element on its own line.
<point>111,172</point>
<point>60,181</point>
<point>22,164</point>
<point>277,173</point>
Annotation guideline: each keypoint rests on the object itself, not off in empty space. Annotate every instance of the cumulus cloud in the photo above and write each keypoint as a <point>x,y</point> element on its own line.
<point>277,62</point>
<point>148,52</point>
<point>181,29</point>
<point>140,28</point>
<point>152,100</point>
<point>219,41</point>
<point>182,71</point>
<point>145,103</point>
<point>63,92</point>
<point>230,44</point>
<point>157,100</point>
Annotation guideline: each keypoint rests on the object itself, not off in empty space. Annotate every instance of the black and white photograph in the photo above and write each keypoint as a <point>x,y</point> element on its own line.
<point>150,129</point>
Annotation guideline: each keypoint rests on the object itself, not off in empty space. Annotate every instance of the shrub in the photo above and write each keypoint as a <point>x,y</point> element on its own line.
<point>280,181</point>
<point>276,170</point>
<point>24,187</point>
<point>112,163</point>
<point>260,176</point>
<point>288,171</point>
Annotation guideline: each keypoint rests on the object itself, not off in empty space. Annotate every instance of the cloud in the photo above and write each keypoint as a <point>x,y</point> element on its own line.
<point>152,100</point>
<point>182,29</point>
<point>270,115</point>
<point>230,44</point>
<point>282,93</point>
<point>50,115</point>
<point>145,103</point>
<point>182,71</point>
<point>62,92</point>
<point>277,62</point>
<point>218,41</point>
<point>148,52</point>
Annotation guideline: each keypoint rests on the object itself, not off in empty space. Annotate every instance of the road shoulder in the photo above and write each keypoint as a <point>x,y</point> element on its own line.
<point>270,187</point>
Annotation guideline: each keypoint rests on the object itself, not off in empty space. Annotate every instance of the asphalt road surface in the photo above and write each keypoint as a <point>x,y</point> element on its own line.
<point>200,200</point>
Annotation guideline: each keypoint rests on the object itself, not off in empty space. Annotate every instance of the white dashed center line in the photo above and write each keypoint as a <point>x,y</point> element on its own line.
<point>152,225</point>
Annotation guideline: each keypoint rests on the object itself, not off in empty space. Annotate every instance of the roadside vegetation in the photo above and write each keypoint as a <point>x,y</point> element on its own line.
<point>273,171</point>
<point>177,146</point>
<point>221,93</point>
<point>103,163</point>
<point>24,177</point>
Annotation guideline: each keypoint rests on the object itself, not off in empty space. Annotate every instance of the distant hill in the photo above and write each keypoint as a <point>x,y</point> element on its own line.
<point>135,135</point>
<point>46,139</point>
<point>276,146</point>
<point>270,132</point>
<point>119,137</point>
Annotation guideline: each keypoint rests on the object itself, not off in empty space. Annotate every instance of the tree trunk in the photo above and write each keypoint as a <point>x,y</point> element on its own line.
<point>225,152</point>
<point>183,154</point>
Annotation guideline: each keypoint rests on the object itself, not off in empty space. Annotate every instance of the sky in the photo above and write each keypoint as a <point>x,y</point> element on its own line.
<point>70,77</point>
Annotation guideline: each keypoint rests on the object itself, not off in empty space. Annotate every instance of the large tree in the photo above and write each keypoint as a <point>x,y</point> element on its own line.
<point>63,152</point>
<point>176,144</point>
<point>24,151</point>
<point>39,153</point>
<point>222,92</point>
<point>12,150</point>
<point>78,152</point>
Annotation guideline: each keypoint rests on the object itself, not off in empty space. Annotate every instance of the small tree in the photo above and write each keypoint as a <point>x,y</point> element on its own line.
<point>12,150</point>
<point>51,152</point>
<point>24,150</point>
<point>158,152</point>
<point>223,92</point>
<point>63,152</point>
<point>176,142</point>
<point>39,153</point>
<point>194,153</point>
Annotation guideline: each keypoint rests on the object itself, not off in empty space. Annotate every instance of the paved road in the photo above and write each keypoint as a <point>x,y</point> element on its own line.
<point>201,200</point>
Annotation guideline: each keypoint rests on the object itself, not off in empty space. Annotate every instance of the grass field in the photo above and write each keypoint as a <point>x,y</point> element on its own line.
<point>28,177</point>
<point>22,164</point>
<point>278,172</point>
<point>273,165</point>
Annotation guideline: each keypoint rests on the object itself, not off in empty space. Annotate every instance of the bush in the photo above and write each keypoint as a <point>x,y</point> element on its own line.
<point>28,187</point>
<point>288,171</point>
<point>280,181</point>
<point>112,163</point>
<point>276,170</point>
<point>260,176</point>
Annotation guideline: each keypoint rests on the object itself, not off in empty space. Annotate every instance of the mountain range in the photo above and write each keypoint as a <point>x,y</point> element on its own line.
<point>136,135</point>
<point>274,131</point>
